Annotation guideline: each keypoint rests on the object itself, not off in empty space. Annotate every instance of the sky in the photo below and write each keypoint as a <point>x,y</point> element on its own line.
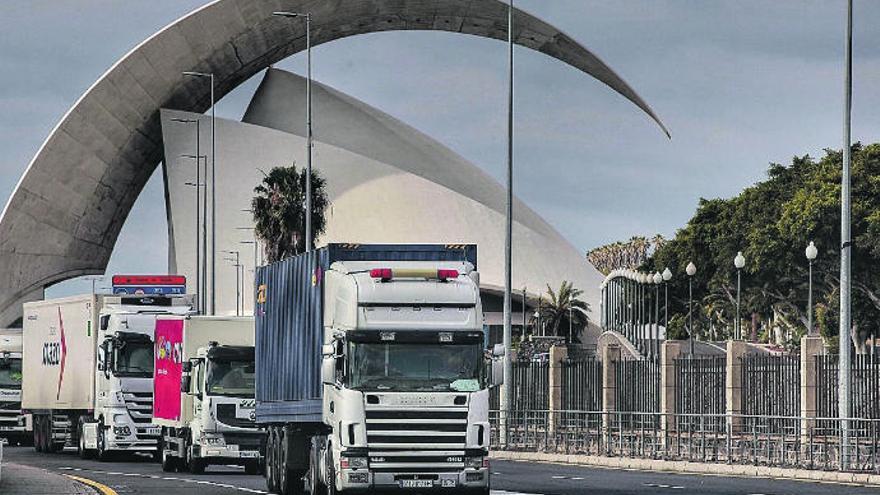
<point>739,84</point>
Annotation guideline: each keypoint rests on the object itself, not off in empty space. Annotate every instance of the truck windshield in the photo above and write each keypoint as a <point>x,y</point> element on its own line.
<point>415,367</point>
<point>231,378</point>
<point>134,358</point>
<point>10,373</point>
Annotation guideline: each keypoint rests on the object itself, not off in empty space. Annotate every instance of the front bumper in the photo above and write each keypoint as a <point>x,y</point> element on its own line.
<point>230,453</point>
<point>363,479</point>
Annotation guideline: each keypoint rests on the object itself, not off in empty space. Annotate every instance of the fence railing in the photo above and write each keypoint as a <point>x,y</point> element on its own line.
<point>717,438</point>
<point>530,387</point>
<point>700,385</point>
<point>864,383</point>
<point>771,388</point>
<point>637,385</point>
<point>582,384</point>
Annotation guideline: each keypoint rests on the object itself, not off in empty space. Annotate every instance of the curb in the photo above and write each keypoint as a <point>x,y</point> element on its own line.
<point>687,467</point>
<point>98,487</point>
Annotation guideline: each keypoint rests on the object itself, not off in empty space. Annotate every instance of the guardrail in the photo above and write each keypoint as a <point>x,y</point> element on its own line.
<point>791,442</point>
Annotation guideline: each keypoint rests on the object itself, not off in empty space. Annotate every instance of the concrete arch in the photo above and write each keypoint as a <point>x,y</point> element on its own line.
<point>64,216</point>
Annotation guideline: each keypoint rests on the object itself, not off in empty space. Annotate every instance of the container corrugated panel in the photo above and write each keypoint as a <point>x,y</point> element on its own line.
<point>289,319</point>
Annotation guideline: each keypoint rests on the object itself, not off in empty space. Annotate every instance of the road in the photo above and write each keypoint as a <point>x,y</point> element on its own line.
<point>139,476</point>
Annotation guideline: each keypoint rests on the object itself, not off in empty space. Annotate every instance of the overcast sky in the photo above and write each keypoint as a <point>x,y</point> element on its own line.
<point>739,83</point>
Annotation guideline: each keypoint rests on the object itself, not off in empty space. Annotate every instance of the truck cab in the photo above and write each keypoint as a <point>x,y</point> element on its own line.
<point>221,381</point>
<point>122,418</point>
<point>15,427</point>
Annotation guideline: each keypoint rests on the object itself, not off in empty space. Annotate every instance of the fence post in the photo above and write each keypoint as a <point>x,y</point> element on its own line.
<point>610,355</point>
<point>558,354</point>
<point>736,350</point>
<point>669,352</point>
<point>811,348</point>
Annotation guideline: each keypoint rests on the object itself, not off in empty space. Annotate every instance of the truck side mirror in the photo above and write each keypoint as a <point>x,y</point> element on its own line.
<point>498,372</point>
<point>498,351</point>
<point>186,367</point>
<point>328,370</point>
<point>184,384</point>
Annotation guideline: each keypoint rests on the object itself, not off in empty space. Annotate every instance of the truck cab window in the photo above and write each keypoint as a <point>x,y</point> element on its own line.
<point>231,378</point>
<point>134,358</point>
<point>416,367</point>
<point>10,373</point>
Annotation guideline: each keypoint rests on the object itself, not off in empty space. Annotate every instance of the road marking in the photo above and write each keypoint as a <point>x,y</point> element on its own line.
<point>104,489</point>
<point>190,480</point>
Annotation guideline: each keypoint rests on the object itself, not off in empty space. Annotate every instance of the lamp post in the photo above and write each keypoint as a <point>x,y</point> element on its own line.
<point>811,253</point>
<point>658,279</point>
<point>739,262</point>
<point>237,266</point>
<point>667,276</point>
<point>203,284</point>
<point>213,191</point>
<point>691,270</point>
<point>845,357</point>
<point>309,135</point>
<point>199,306</point>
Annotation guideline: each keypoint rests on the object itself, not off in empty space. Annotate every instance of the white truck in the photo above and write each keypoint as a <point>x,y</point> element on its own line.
<point>204,393</point>
<point>372,371</point>
<point>88,366</point>
<point>15,426</point>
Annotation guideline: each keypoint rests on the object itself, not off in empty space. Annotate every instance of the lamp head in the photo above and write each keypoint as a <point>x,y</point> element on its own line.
<point>739,261</point>
<point>812,251</point>
<point>658,278</point>
<point>691,269</point>
<point>667,274</point>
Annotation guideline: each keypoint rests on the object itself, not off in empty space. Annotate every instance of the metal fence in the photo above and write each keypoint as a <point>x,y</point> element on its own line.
<point>700,384</point>
<point>865,386</point>
<point>636,386</point>
<point>582,385</point>
<point>718,438</point>
<point>771,387</point>
<point>530,387</point>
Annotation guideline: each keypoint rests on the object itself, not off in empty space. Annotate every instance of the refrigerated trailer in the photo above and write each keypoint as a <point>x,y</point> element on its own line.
<point>204,393</point>
<point>87,370</point>
<point>372,372</point>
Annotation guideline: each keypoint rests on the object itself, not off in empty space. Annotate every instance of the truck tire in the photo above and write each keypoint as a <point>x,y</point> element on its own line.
<point>252,468</point>
<point>271,463</point>
<point>290,482</point>
<point>81,449</point>
<point>193,464</point>
<point>330,469</point>
<point>38,433</point>
<point>170,463</point>
<point>316,484</point>
<point>102,453</point>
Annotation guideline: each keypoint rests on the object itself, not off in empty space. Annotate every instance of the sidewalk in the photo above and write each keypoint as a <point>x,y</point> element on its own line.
<point>19,480</point>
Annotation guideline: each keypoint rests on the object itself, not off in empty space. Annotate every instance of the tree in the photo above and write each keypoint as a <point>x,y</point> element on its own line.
<point>630,254</point>
<point>772,222</point>
<point>556,308</point>
<point>279,211</point>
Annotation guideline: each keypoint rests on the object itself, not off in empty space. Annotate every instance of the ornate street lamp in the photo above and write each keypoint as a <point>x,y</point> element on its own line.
<point>667,276</point>
<point>811,253</point>
<point>655,341</point>
<point>739,262</point>
<point>691,270</point>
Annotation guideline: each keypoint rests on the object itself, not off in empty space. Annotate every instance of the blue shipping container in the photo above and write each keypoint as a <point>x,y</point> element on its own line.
<point>289,322</point>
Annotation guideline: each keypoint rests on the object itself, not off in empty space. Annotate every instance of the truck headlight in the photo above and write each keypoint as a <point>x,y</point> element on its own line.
<point>476,462</point>
<point>353,463</point>
<point>121,431</point>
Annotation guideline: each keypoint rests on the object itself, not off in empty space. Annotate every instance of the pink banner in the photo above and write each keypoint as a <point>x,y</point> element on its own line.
<point>169,358</point>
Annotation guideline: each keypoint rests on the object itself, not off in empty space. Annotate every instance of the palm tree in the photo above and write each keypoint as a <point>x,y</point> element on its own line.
<point>279,211</point>
<point>556,308</point>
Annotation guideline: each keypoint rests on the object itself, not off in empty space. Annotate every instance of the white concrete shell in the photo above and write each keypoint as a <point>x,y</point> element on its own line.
<point>388,183</point>
<point>64,216</point>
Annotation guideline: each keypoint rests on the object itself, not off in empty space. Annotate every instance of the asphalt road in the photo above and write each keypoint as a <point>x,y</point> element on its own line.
<point>134,475</point>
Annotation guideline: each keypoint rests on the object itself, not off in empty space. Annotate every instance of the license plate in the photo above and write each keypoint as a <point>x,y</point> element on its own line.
<point>416,483</point>
<point>153,431</point>
<point>249,454</point>
<point>6,428</point>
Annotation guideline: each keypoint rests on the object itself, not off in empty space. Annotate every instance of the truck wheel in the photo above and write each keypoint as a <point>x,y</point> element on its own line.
<point>271,463</point>
<point>290,482</point>
<point>252,468</point>
<point>193,464</point>
<point>169,462</point>
<point>330,469</point>
<point>38,433</point>
<point>103,454</point>
<point>81,443</point>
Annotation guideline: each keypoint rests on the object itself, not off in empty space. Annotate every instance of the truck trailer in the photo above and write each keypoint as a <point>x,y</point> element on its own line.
<point>15,426</point>
<point>204,393</point>
<point>371,370</point>
<point>87,366</point>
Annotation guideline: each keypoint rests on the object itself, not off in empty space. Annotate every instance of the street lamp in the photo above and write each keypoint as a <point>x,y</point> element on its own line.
<point>213,190</point>
<point>667,276</point>
<point>739,262</point>
<point>200,306</point>
<point>691,270</point>
<point>237,266</point>
<point>309,134</point>
<point>811,253</point>
<point>658,279</point>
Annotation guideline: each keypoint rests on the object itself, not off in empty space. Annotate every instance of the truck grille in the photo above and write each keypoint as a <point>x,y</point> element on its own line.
<point>226,415</point>
<point>140,406</point>
<point>416,440</point>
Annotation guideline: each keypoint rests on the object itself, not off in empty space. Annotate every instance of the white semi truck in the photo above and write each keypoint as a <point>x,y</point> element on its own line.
<point>204,393</point>
<point>88,366</point>
<point>15,426</point>
<point>372,371</point>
